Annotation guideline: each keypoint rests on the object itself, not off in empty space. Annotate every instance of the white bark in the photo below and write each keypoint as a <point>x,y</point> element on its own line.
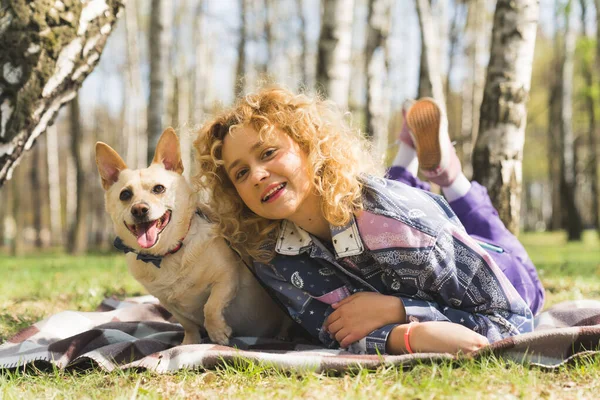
<point>239,87</point>
<point>335,43</point>
<point>430,52</point>
<point>135,110</point>
<point>200,78</point>
<point>54,185</point>
<point>42,78</point>
<point>497,160</point>
<point>476,38</point>
<point>376,67</point>
<point>303,81</point>
<point>71,193</point>
<point>159,44</point>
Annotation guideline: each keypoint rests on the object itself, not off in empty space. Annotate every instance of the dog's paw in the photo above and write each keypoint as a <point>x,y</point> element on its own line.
<point>220,334</point>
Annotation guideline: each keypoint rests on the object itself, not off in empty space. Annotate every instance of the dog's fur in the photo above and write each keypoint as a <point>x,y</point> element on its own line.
<point>204,283</point>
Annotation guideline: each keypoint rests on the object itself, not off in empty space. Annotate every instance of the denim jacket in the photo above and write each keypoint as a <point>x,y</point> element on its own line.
<point>408,243</point>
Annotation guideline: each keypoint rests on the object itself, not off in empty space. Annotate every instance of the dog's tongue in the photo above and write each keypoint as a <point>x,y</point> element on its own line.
<point>147,234</point>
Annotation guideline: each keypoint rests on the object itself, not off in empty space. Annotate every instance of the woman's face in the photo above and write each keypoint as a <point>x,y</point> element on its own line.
<point>271,177</point>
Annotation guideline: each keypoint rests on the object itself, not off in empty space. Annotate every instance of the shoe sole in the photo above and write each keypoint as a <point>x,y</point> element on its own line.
<point>424,119</point>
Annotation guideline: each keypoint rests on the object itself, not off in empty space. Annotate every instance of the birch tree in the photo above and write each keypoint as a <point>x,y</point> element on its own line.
<point>453,34</point>
<point>47,49</point>
<point>554,124</point>
<point>135,110</point>
<point>498,154</point>
<point>36,195</point>
<point>52,158</point>
<point>472,93</point>
<point>303,43</point>
<point>430,74</point>
<point>592,136</point>
<point>241,51</point>
<point>76,238</point>
<point>159,45</point>
<point>199,72</point>
<point>568,171</point>
<point>335,45</point>
<point>376,68</point>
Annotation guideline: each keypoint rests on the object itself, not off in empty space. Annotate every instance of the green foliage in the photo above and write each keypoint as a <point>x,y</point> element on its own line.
<point>37,286</point>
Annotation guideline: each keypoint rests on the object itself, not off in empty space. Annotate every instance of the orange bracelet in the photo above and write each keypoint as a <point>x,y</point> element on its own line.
<point>406,338</point>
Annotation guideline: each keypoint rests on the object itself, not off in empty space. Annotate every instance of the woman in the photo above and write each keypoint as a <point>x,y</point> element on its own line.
<point>361,262</point>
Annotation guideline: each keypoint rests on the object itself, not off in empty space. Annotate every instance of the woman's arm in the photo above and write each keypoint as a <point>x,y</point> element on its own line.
<point>435,337</point>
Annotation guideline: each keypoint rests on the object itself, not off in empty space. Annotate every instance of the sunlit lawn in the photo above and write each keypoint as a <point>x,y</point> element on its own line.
<point>36,286</point>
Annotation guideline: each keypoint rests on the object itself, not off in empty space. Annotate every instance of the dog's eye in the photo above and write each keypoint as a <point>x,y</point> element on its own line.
<point>158,189</point>
<point>125,195</point>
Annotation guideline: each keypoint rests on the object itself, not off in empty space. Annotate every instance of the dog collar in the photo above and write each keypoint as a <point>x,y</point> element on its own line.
<point>151,258</point>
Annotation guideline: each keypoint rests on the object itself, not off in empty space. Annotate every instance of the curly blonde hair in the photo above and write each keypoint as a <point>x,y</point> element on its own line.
<point>337,156</point>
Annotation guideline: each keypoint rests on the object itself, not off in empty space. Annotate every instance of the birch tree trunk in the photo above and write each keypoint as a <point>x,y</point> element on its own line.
<point>36,199</point>
<point>54,185</point>
<point>592,143</point>
<point>376,68</point>
<point>135,109</point>
<point>76,238</point>
<point>498,155</point>
<point>270,10</point>
<point>303,43</point>
<point>199,72</point>
<point>17,244</point>
<point>568,170</point>
<point>159,45</point>
<point>430,74</point>
<point>335,45</point>
<point>474,81</point>
<point>452,43</point>
<point>241,50</point>
<point>47,49</point>
<point>555,221</point>
<point>554,122</point>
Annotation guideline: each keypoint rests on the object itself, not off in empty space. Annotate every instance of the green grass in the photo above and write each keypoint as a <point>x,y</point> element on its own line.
<point>36,286</point>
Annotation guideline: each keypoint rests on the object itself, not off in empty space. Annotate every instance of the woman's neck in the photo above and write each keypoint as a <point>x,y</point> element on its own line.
<point>311,219</point>
<point>318,227</point>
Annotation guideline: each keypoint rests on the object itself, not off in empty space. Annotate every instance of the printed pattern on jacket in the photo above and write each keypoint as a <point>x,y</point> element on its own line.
<point>406,243</point>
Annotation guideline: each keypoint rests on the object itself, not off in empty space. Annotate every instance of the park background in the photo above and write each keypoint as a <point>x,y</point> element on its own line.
<point>56,239</point>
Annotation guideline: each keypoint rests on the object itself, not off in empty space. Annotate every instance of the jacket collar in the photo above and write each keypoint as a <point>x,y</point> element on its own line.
<point>346,239</point>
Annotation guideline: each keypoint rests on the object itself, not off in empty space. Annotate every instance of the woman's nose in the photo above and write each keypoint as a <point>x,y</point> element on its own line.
<point>259,174</point>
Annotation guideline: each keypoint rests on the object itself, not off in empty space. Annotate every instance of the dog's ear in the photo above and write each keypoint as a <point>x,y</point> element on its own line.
<point>168,152</point>
<point>109,163</point>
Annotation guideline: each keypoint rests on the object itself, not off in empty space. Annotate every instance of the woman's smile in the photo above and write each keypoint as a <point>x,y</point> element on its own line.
<point>273,192</point>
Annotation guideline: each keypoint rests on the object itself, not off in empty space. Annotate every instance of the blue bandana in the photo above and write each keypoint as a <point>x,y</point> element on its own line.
<point>148,258</point>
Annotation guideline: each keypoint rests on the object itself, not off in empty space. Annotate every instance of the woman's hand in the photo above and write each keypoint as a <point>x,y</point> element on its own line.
<point>358,315</point>
<point>436,337</point>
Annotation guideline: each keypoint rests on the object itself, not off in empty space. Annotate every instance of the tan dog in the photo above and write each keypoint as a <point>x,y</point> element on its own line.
<point>199,279</point>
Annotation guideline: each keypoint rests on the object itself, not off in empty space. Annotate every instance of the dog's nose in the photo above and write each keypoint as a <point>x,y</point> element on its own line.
<point>140,210</point>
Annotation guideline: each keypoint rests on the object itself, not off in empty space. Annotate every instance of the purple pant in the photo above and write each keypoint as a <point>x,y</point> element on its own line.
<point>479,217</point>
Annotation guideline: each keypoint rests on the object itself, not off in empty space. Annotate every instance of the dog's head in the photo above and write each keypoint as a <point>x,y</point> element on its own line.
<point>151,207</point>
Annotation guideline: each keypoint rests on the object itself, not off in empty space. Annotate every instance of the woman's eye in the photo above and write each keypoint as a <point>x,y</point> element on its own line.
<point>268,153</point>
<point>240,174</point>
<point>125,195</point>
<point>158,189</point>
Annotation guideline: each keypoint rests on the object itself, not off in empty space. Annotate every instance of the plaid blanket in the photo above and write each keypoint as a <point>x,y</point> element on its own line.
<point>139,333</point>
